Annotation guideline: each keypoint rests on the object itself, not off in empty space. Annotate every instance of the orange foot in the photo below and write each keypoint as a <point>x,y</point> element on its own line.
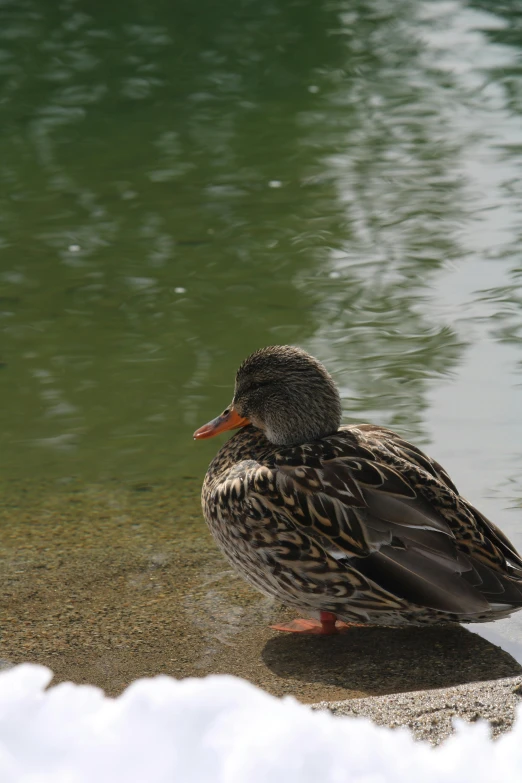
<point>326,626</point>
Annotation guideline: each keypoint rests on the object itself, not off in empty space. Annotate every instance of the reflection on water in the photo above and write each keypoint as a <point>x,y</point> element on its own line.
<point>181,187</point>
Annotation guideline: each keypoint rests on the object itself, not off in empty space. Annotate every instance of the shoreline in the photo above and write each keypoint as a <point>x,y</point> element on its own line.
<point>109,582</point>
<point>429,714</point>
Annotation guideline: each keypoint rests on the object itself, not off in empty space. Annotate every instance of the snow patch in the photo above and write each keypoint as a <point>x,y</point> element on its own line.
<point>219,729</point>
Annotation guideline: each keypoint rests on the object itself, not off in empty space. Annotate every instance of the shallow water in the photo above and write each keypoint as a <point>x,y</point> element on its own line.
<point>180,186</point>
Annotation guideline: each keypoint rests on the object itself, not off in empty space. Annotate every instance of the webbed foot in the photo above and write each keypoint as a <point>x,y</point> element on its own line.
<point>326,626</point>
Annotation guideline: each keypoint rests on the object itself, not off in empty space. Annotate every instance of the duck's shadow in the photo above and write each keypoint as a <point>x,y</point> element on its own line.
<point>387,660</point>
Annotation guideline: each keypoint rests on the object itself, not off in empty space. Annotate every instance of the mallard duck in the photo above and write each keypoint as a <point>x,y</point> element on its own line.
<point>347,524</point>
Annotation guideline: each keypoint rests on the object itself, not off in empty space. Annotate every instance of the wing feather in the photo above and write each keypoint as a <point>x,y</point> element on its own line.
<point>393,515</point>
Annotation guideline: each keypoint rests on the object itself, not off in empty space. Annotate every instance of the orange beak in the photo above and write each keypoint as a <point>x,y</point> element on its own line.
<point>229,420</point>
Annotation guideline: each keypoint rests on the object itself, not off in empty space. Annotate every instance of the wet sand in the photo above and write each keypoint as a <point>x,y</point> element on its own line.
<point>109,582</point>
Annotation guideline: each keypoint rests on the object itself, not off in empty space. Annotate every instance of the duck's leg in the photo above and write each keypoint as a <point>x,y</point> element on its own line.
<point>326,626</point>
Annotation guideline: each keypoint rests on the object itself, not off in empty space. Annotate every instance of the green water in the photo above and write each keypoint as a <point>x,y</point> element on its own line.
<point>182,183</point>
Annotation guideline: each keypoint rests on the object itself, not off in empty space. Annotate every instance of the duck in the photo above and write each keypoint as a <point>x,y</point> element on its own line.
<point>348,525</point>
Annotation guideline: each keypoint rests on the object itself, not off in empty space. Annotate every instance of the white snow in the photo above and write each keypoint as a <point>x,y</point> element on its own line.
<point>219,729</point>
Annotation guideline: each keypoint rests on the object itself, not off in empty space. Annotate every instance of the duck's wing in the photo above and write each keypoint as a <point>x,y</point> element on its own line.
<point>484,533</point>
<point>397,524</point>
<point>403,449</point>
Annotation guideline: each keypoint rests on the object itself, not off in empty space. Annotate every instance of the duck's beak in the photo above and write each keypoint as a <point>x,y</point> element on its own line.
<point>229,420</point>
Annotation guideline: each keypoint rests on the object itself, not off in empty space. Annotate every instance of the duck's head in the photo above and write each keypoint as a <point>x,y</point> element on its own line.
<point>284,392</point>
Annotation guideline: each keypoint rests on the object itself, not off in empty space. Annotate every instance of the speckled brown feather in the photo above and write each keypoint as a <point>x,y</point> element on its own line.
<point>360,523</point>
